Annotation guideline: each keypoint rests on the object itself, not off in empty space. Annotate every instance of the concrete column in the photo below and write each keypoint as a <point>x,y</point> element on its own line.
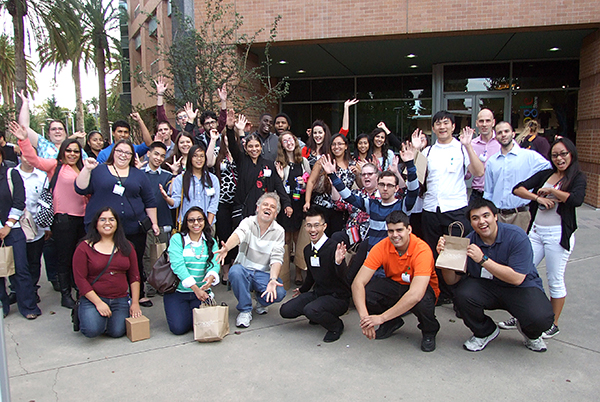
<point>588,116</point>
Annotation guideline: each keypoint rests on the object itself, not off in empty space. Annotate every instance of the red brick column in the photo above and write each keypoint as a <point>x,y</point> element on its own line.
<point>588,116</point>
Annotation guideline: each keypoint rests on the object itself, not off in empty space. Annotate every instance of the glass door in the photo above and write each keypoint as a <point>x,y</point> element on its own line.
<point>465,107</point>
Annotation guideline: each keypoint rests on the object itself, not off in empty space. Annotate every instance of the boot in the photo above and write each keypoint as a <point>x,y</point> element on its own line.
<point>65,289</point>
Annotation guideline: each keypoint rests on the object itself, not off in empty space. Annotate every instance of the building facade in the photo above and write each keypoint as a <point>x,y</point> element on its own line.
<point>406,60</point>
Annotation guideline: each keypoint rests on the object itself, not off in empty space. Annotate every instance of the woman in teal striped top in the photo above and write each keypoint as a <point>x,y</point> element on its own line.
<point>193,260</point>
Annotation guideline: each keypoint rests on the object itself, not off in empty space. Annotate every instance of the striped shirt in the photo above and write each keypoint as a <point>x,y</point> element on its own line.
<point>189,261</point>
<point>256,251</point>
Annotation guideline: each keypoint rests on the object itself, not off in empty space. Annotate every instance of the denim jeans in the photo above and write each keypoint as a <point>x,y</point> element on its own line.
<point>21,280</point>
<point>178,309</point>
<point>92,324</point>
<point>244,281</point>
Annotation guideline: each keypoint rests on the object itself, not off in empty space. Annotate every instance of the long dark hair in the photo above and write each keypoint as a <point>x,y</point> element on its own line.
<point>189,172</point>
<point>177,154</point>
<point>312,145</point>
<point>223,151</point>
<point>573,169</point>
<point>111,158</point>
<point>93,236</point>
<point>60,158</point>
<point>369,151</point>
<point>384,147</point>
<point>87,148</point>
<point>347,152</point>
<point>207,231</point>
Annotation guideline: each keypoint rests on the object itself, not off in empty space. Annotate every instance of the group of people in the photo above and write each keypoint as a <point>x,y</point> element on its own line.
<point>236,206</point>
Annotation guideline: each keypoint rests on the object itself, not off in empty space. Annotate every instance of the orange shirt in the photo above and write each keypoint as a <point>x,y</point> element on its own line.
<point>417,261</point>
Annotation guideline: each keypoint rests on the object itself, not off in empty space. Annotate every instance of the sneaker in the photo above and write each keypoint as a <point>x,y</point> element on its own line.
<point>475,344</point>
<point>428,343</point>
<point>386,329</point>
<point>260,309</point>
<point>537,345</point>
<point>243,319</point>
<point>551,332</point>
<point>511,323</point>
<point>332,336</point>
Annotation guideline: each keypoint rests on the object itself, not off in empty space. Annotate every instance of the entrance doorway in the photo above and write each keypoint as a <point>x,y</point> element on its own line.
<point>465,107</point>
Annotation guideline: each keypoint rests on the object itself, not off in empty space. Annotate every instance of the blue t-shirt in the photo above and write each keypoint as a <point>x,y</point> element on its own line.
<point>511,248</point>
<point>105,153</point>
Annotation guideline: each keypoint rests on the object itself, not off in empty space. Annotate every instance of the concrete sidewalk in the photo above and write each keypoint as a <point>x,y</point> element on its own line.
<point>280,359</point>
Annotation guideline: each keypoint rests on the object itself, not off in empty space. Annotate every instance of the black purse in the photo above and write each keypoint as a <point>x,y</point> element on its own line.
<point>75,311</point>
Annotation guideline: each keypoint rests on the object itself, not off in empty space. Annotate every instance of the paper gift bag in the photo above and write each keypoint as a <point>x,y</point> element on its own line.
<point>7,260</point>
<point>303,240</point>
<point>155,251</point>
<point>284,273</point>
<point>211,322</point>
<point>454,255</point>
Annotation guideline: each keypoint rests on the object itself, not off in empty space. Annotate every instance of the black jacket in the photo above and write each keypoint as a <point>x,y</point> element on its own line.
<point>328,278</point>
<point>566,210</point>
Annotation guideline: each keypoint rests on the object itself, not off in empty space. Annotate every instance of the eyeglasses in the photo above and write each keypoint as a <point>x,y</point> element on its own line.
<point>192,220</point>
<point>210,122</point>
<point>126,153</point>
<point>71,151</point>
<point>338,144</point>
<point>287,141</point>
<point>562,154</point>
<point>365,174</point>
<point>386,185</point>
<point>316,225</point>
<point>111,220</point>
<point>182,117</point>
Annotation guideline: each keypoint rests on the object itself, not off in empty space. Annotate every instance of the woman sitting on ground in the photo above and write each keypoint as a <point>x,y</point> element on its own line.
<point>192,256</point>
<point>105,267</point>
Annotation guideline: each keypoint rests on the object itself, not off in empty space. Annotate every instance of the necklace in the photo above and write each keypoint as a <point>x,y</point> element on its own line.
<point>194,251</point>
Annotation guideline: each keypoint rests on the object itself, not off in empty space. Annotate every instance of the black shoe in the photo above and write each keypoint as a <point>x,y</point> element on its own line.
<point>67,301</point>
<point>312,322</point>
<point>12,298</point>
<point>443,300</point>
<point>387,328</point>
<point>332,336</point>
<point>55,285</point>
<point>147,303</point>
<point>428,343</point>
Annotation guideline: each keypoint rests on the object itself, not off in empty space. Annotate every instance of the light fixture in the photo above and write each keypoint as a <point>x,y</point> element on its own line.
<point>414,66</point>
<point>300,71</point>
<point>411,56</point>
<point>282,62</point>
<point>554,49</point>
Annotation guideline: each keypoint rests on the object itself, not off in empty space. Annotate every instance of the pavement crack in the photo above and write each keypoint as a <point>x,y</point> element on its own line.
<point>54,385</point>
<point>12,336</point>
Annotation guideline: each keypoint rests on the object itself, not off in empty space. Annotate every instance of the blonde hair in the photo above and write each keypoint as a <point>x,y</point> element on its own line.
<point>531,128</point>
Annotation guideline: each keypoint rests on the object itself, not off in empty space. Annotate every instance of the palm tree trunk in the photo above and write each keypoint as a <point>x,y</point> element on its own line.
<point>75,73</point>
<point>100,62</point>
<point>17,10</point>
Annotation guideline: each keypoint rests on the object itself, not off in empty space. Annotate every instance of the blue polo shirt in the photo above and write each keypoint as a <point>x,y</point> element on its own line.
<point>511,248</point>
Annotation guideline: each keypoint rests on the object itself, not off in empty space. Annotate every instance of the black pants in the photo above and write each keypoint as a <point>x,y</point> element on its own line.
<point>34,259</point>
<point>435,225</point>
<point>324,310</point>
<point>383,293</point>
<point>67,231</point>
<point>528,305</point>
<point>139,244</point>
<point>225,228</point>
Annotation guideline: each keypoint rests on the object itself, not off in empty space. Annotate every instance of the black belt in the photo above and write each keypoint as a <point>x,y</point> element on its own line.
<point>513,210</point>
<point>477,191</point>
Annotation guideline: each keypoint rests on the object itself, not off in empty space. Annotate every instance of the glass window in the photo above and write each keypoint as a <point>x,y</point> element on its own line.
<point>379,88</point>
<point>299,91</point>
<point>401,117</point>
<point>476,78</point>
<point>546,74</point>
<point>301,119</point>
<point>417,86</point>
<point>332,89</point>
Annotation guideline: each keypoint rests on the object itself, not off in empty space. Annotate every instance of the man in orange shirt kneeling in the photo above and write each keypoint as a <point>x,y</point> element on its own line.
<point>410,285</point>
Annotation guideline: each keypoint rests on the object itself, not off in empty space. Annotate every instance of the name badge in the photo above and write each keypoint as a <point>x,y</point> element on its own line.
<point>485,274</point>
<point>406,277</point>
<point>210,191</point>
<point>482,157</point>
<point>223,166</point>
<point>118,189</point>
<point>267,172</point>
<point>287,188</point>
<point>315,262</point>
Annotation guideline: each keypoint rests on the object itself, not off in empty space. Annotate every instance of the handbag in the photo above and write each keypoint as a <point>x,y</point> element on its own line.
<point>162,278</point>
<point>45,213</point>
<point>7,261</point>
<point>75,311</point>
<point>323,184</point>
<point>211,321</point>
<point>454,255</point>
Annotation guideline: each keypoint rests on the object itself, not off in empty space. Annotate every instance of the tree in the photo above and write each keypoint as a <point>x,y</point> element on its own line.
<point>8,71</point>
<point>200,61</point>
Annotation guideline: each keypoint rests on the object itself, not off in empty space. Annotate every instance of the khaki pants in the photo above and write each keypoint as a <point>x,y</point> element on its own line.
<point>521,219</point>
<point>151,240</point>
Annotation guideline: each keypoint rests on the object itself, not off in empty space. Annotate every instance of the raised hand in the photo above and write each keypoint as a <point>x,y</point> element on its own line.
<point>279,168</point>
<point>190,111</point>
<point>230,122</point>
<point>327,164</point>
<point>350,102</point>
<point>136,116</point>
<point>466,136</point>
<point>222,92</point>
<point>382,126</point>
<point>221,253</point>
<point>163,192</point>
<point>90,164</point>
<point>175,165</point>
<point>161,85</point>
<point>408,151</point>
<point>340,253</point>
<point>22,95</point>
<point>17,130</point>
<point>417,140</point>
<point>241,122</point>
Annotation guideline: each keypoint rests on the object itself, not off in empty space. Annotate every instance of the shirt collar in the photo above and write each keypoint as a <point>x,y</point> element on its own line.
<point>320,243</point>
<point>148,169</point>
<point>188,240</point>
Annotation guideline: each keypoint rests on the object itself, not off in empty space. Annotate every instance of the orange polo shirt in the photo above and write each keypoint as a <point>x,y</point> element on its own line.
<point>417,261</point>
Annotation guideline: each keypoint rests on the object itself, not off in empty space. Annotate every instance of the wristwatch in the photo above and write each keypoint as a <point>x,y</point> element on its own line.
<point>10,224</point>
<point>483,260</point>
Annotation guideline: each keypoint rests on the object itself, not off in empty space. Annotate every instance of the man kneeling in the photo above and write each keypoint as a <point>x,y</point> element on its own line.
<point>257,265</point>
<point>500,275</point>
<point>330,295</point>
<point>410,284</point>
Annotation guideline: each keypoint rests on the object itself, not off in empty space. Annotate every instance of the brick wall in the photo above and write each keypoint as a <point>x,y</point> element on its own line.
<point>588,116</point>
<point>310,19</point>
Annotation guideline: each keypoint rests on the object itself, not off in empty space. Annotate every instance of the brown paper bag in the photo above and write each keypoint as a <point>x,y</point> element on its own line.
<point>155,251</point>
<point>303,240</point>
<point>284,273</point>
<point>7,261</point>
<point>454,255</point>
<point>420,162</point>
<point>211,322</point>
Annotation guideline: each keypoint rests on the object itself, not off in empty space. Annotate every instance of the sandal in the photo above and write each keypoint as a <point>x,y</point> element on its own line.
<point>146,303</point>
<point>31,316</point>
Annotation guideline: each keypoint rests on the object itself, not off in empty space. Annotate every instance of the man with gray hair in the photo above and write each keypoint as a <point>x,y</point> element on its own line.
<point>257,265</point>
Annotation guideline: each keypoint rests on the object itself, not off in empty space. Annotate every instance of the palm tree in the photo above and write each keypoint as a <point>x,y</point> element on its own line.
<point>8,71</point>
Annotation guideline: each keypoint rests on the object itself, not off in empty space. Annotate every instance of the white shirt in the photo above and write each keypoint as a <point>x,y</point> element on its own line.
<point>446,167</point>
<point>34,182</point>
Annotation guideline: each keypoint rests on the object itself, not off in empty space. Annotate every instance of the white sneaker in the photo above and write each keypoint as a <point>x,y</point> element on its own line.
<point>551,332</point>
<point>243,319</point>
<point>475,344</point>
<point>511,323</point>
<point>260,309</point>
<point>537,345</point>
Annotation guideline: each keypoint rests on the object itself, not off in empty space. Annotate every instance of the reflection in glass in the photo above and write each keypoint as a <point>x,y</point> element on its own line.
<point>481,77</point>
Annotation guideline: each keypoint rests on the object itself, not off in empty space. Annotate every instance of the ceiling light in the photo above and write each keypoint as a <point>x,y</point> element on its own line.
<point>411,56</point>
<point>554,49</point>
<point>282,62</point>
<point>414,66</point>
<point>300,71</point>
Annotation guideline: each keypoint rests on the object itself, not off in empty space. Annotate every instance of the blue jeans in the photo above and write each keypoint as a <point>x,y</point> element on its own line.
<point>178,309</point>
<point>92,324</point>
<point>21,280</point>
<point>244,281</point>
